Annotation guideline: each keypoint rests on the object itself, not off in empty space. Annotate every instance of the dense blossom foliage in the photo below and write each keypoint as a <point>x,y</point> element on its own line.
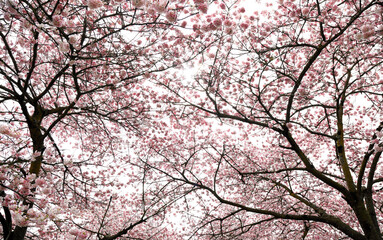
<point>72,102</point>
<point>191,119</point>
<point>278,133</point>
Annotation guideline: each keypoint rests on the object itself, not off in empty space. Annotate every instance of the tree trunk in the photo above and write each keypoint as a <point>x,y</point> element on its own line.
<point>365,220</point>
<point>38,146</point>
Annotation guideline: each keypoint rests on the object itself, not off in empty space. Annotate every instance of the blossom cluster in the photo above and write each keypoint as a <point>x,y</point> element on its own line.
<point>378,146</point>
<point>94,4</point>
<point>79,234</point>
<point>6,130</point>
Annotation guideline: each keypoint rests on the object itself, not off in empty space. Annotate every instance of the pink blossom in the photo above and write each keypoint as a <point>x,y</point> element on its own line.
<point>68,162</point>
<point>94,4</point>
<point>32,213</point>
<point>123,74</point>
<point>11,6</point>
<point>227,23</point>
<point>380,31</point>
<point>64,47</point>
<point>53,212</point>
<point>196,27</point>
<point>160,6</point>
<point>377,148</point>
<point>58,21</point>
<point>203,8</point>
<point>292,14</point>
<point>82,235</point>
<point>31,177</point>
<point>46,191</point>
<point>212,27</point>
<point>4,130</point>
<point>27,24</point>
<point>171,16</point>
<point>367,31</point>
<point>70,24</point>
<point>368,35</point>
<point>6,200</point>
<point>72,40</point>
<point>20,220</point>
<point>2,177</point>
<point>78,233</point>
<point>138,3</point>
<point>43,202</point>
<point>305,11</point>
<point>74,231</point>
<point>217,22</point>
<point>198,2</point>
<point>205,28</point>
<point>7,16</point>
<point>24,191</point>
<point>359,36</point>
<point>229,31</point>
<point>151,11</point>
<point>244,25</point>
<point>40,182</point>
<point>365,28</point>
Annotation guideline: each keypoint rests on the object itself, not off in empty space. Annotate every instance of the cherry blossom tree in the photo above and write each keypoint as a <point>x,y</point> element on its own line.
<point>278,134</point>
<point>73,100</point>
<point>275,134</point>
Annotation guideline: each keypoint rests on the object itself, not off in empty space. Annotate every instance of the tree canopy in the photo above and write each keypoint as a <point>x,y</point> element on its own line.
<point>191,119</point>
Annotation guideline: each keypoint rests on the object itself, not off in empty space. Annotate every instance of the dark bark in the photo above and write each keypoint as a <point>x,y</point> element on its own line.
<point>38,146</point>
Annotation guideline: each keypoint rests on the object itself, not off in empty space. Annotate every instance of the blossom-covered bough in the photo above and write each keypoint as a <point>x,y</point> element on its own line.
<point>72,100</point>
<point>279,132</point>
